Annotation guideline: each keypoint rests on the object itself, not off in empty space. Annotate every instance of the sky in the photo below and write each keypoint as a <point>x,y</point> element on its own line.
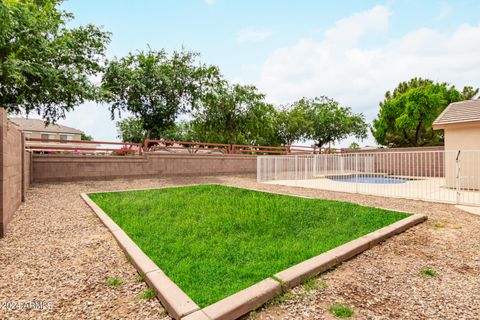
<point>351,51</point>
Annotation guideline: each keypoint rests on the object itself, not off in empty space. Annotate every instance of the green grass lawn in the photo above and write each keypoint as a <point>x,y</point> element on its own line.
<point>213,240</point>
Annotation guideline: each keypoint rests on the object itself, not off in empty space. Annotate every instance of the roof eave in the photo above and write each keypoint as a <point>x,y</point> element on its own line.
<point>439,126</point>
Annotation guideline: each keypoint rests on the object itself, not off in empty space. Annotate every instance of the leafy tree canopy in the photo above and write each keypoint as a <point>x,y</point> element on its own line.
<point>469,92</point>
<point>131,130</point>
<point>406,115</point>
<point>182,131</point>
<point>329,122</point>
<point>86,137</point>
<point>156,87</point>
<point>46,67</point>
<point>292,124</point>
<point>354,145</point>
<point>235,114</point>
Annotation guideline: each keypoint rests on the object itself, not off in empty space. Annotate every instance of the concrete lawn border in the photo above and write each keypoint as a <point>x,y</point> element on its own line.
<point>180,306</point>
<point>177,303</point>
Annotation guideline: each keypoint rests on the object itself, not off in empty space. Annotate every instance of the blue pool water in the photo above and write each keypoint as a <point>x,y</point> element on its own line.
<point>368,179</point>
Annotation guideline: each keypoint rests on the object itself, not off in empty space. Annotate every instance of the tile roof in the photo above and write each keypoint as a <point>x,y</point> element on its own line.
<point>459,112</point>
<point>39,125</point>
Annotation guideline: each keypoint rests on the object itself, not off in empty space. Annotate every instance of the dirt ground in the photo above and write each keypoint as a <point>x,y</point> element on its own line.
<point>58,255</point>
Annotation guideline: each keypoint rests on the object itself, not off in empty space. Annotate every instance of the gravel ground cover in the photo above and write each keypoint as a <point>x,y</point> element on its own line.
<point>58,254</point>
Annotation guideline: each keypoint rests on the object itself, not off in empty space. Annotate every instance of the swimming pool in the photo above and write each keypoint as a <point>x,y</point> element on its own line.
<point>368,179</point>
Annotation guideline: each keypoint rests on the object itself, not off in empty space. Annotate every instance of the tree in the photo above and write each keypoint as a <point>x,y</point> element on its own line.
<point>155,87</point>
<point>406,115</point>
<point>186,131</point>
<point>329,122</point>
<point>131,130</point>
<point>292,124</point>
<point>469,92</point>
<point>46,67</point>
<point>235,114</point>
<point>85,137</point>
<point>354,145</point>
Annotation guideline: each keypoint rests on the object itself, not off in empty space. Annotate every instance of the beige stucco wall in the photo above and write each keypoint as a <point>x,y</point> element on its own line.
<point>55,135</point>
<point>466,138</point>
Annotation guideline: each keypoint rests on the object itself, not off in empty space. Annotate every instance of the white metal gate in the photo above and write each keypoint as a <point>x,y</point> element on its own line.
<point>440,176</point>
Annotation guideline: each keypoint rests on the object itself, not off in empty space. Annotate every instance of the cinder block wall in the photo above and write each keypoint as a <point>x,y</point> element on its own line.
<point>56,168</point>
<point>12,164</point>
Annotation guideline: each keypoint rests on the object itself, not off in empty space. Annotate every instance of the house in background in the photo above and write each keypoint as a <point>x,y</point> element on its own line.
<point>35,128</point>
<point>61,136</point>
<point>461,124</point>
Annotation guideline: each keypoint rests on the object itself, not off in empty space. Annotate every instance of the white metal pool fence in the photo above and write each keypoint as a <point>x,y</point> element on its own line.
<point>440,176</point>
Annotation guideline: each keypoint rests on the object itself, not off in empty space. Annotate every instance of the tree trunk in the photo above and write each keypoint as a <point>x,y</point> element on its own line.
<point>320,144</point>
<point>417,132</point>
<point>233,136</point>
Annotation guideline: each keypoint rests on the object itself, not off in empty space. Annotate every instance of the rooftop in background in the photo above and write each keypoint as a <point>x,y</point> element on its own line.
<point>39,125</point>
<point>459,112</point>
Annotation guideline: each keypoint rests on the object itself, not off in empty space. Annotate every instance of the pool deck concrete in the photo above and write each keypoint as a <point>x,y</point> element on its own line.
<point>469,209</point>
<point>427,189</point>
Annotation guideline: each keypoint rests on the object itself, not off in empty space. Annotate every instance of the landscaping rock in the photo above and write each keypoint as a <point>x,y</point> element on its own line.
<point>57,252</point>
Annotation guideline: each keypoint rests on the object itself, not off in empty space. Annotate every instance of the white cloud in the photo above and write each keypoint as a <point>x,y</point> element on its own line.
<point>210,2</point>
<point>251,34</point>
<point>444,11</point>
<point>349,31</point>
<point>93,119</point>
<point>340,68</point>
